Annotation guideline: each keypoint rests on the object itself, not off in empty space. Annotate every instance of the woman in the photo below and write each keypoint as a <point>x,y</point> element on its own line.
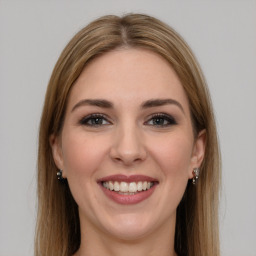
<point>129,130</point>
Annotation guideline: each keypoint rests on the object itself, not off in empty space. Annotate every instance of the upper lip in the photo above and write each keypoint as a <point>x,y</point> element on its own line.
<point>131,178</point>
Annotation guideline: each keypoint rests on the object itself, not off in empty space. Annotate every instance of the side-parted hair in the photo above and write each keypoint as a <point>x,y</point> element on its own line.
<point>58,227</point>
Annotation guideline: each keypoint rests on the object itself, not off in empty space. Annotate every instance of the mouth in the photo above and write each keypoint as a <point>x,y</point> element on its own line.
<point>125,188</point>
<point>128,189</point>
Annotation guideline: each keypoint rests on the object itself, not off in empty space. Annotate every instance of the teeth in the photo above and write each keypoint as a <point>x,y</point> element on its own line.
<point>116,186</point>
<point>127,188</point>
<point>132,187</point>
<point>110,185</point>
<point>124,187</point>
<point>139,186</point>
<point>144,185</point>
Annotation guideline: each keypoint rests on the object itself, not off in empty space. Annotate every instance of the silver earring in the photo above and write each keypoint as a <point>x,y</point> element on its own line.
<point>196,173</point>
<point>59,175</point>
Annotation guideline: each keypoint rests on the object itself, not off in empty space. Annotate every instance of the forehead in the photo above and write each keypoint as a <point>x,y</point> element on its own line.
<point>128,74</point>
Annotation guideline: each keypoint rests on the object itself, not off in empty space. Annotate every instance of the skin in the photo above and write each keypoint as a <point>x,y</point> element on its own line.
<point>128,140</point>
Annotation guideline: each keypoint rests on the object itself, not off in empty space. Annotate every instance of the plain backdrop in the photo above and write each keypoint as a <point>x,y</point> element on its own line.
<point>222,34</point>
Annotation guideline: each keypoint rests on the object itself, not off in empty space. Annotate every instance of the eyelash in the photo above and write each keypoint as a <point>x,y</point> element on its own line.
<point>167,119</point>
<point>98,120</point>
<point>93,117</point>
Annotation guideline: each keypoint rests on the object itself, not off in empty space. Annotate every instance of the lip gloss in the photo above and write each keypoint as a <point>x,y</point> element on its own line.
<point>125,199</point>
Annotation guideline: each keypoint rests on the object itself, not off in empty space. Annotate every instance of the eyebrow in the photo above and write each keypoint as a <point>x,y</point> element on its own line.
<point>107,104</point>
<point>97,102</point>
<point>161,102</point>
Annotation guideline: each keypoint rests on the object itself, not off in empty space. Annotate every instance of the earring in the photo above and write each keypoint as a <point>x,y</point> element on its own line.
<point>59,175</point>
<point>196,173</point>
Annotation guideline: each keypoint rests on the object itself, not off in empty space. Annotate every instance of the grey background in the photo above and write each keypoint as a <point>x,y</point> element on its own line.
<point>223,37</point>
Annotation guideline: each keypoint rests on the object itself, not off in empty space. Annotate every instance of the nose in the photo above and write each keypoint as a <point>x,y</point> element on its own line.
<point>128,147</point>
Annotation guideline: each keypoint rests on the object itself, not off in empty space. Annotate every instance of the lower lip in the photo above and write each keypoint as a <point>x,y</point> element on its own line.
<point>128,199</point>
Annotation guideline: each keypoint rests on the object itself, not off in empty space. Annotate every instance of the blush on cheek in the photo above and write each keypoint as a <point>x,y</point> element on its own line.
<point>80,162</point>
<point>174,159</point>
<point>83,155</point>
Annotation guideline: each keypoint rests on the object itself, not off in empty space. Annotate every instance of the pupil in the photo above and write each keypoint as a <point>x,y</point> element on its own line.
<point>158,121</point>
<point>97,121</point>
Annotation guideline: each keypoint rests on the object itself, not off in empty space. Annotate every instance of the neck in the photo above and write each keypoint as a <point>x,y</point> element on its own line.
<point>160,242</point>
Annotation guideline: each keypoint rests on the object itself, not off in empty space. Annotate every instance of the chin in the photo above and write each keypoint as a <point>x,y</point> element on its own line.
<point>130,228</point>
<point>129,234</point>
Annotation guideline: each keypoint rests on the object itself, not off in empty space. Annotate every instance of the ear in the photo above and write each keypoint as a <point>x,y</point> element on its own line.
<point>198,152</point>
<point>55,143</point>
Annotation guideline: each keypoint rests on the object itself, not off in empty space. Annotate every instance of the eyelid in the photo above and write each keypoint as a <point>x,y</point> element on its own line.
<point>170,118</point>
<point>86,118</point>
<point>166,117</point>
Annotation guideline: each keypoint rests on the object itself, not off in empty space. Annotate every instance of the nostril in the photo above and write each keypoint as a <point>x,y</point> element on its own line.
<point>128,148</point>
<point>128,159</point>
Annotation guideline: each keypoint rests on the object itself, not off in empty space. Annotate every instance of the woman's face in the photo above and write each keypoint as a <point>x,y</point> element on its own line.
<point>127,146</point>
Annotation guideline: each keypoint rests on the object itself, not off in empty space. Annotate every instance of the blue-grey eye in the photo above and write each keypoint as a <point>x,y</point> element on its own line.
<point>161,120</point>
<point>94,120</point>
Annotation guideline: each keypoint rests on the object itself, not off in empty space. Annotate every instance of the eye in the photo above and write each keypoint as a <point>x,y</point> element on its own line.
<point>161,120</point>
<point>95,120</point>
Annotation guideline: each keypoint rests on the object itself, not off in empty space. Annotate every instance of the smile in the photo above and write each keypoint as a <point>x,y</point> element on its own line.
<point>128,189</point>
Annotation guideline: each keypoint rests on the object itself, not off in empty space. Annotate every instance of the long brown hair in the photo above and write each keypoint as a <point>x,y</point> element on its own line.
<point>58,229</point>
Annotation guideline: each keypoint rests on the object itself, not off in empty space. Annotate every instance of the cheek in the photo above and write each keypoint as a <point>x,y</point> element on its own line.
<point>82,157</point>
<point>174,156</point>
<point>82,154</point>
